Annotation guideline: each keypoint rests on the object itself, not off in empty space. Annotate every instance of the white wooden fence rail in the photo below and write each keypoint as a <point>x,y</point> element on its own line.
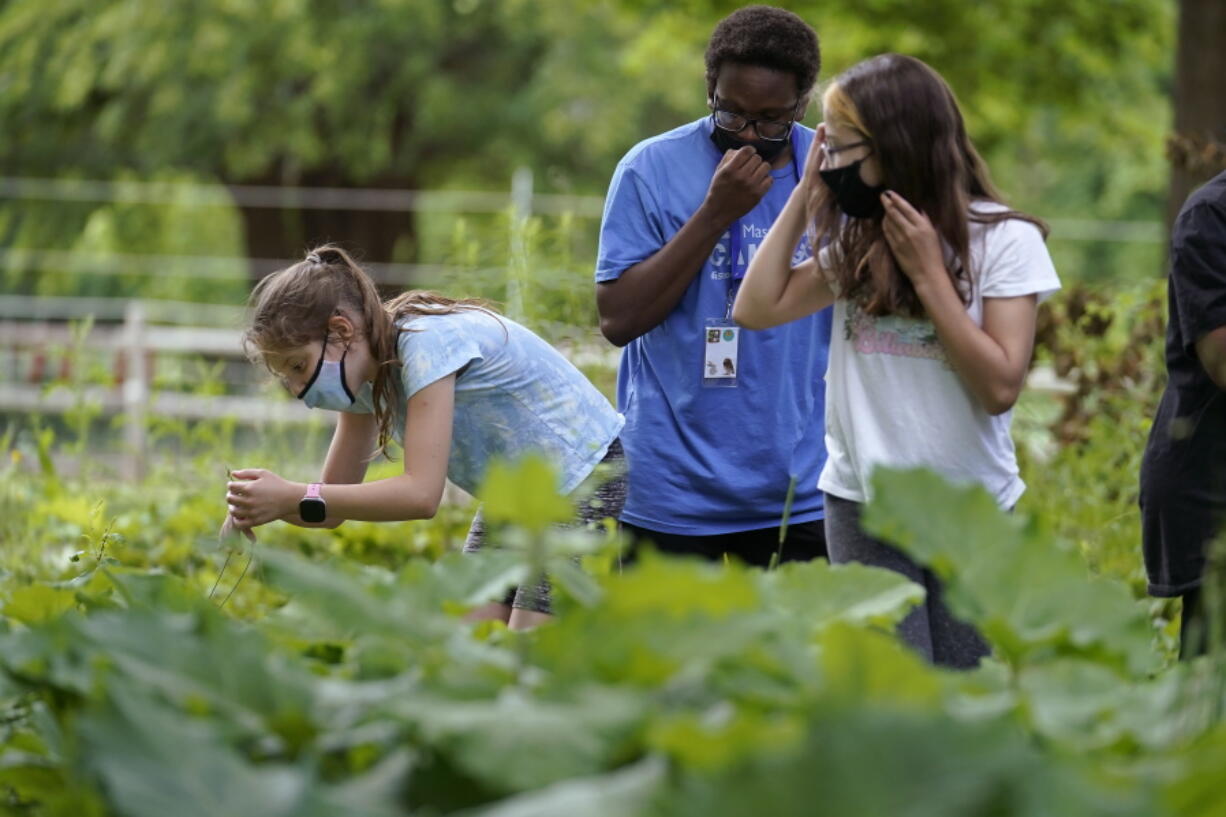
<point>135,341</point>
<point>36,352</point>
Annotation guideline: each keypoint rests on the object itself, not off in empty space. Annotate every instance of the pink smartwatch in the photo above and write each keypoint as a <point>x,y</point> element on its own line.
<point>312,507</point>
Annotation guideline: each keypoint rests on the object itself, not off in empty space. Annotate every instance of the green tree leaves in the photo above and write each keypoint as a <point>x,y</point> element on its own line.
<point>1067,99</point>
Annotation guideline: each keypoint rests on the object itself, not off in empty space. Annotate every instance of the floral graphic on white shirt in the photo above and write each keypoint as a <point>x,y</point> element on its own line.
<point>892,335</point>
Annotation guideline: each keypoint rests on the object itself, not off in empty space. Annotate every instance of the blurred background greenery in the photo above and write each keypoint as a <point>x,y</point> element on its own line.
<point>174,152</point>
<point>1069,101</point>
<point>156,157</point>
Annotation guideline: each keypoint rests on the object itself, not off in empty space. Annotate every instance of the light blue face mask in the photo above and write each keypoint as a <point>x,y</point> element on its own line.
<point>328,388</point>
<point>364,402</point>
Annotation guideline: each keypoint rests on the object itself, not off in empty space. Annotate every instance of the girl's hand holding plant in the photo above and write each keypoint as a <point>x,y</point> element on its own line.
<point>258,496</point>
<point>230,528</point>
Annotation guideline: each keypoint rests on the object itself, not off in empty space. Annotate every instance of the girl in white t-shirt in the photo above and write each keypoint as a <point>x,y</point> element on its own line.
<point>935,285</point>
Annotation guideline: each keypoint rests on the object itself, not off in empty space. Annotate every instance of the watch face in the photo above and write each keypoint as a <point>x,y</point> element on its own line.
<point>312,510</point>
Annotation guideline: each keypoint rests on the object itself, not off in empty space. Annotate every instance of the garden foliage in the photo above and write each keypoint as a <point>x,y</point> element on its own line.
<point>329,684</point>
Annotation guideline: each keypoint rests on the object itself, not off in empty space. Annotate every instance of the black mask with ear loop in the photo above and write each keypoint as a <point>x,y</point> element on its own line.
<point>328,387</point>
<point>854,197</point>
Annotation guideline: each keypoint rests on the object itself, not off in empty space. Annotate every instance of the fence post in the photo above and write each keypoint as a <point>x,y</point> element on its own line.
<point>517,266</point>
<point>135,389</point>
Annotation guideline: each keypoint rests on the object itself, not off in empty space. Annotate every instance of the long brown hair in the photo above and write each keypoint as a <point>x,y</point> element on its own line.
<point>291,308</point>
<point>910,117</point>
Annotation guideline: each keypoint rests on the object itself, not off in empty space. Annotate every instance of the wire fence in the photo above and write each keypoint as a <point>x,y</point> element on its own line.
<point>142,333</point>
<point>520,202</point>
<point>521,198</point>
<point>205,267</point>
<point>189,194</point>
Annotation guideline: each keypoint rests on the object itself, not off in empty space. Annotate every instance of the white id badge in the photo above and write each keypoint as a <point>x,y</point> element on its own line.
<point>719,361</point>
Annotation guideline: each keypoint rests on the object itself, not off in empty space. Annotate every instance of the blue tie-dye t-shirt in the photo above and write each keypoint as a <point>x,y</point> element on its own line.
<point>514,395</point>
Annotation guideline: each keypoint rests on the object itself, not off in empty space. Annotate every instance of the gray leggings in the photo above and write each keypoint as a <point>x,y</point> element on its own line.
<point>604,502</point>
<point>929,628</point>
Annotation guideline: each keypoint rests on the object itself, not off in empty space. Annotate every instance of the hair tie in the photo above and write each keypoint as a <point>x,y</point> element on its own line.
<point>314,258</point>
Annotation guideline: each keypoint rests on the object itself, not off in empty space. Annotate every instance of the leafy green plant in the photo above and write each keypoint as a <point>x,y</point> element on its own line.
<point>674,687</point>
<point>1108,344</point>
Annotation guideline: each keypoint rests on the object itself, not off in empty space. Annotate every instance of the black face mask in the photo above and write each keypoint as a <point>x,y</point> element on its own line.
<point>854,197</point>
<point>769,150</point>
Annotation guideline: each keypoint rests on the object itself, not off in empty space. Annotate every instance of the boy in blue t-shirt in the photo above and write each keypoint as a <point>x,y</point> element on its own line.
<point>719,420</point>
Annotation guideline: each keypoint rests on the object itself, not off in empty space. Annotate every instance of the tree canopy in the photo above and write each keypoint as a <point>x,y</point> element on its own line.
<point>1067,98</point>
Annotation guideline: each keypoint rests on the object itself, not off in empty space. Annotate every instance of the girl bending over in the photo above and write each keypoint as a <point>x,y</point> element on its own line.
<point>455,383</point>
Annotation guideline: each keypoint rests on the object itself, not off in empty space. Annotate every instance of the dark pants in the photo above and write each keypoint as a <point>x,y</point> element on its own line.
<point>604,502</point>
<point>929,628</point>
<point>803,542</point>
<point>1193,626</point>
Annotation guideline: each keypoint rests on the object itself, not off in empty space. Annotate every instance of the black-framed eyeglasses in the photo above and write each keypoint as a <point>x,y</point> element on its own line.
<point>772,130</point>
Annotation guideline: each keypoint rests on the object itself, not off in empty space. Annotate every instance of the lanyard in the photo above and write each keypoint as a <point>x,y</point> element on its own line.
<point>734,243</point>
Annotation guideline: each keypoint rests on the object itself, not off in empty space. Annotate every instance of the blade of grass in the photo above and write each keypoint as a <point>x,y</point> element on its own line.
<point>777,557</point>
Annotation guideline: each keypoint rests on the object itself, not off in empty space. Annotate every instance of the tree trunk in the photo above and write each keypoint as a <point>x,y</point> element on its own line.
<point>1197,148</point>
<point>277,235</point>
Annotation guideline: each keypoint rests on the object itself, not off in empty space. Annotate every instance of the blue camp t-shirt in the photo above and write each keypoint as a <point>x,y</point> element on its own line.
<point>705,461</point>
<point>514,395</point>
